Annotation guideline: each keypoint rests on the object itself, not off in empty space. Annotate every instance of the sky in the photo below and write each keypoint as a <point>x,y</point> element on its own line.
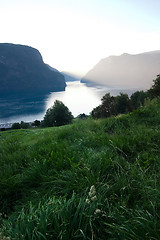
<point>73,35</point>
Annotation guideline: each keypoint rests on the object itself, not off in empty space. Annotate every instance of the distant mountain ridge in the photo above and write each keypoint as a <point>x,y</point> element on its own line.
<point>126,70</point>
<point>69,77</point>
<point>22,70</point>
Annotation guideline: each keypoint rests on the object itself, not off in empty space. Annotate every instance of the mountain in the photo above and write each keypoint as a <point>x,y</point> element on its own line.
<point>51,68</point>
<point>22,70</point>
<point>69,77</point>
<point>126,70</point>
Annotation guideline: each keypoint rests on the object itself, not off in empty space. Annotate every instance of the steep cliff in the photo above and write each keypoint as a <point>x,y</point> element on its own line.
<point>22,70</point>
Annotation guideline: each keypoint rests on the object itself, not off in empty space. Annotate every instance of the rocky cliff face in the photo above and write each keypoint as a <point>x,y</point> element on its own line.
<point>130,71</point>
<point>22,70</point>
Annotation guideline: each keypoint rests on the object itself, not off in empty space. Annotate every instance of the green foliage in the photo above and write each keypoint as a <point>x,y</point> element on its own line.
<point>154,91</point>
<point>106,109</point>
<point>149,114</point>
<point>118,124</point>
<point>47,175</point>
<point>37,123</point>
<point>57,115</point>
<point>82,116</point>
<point>22,125</point>
<point>138,98</point>
<point>122,104</point>
<point>16,126</point>
<point>112,106</point>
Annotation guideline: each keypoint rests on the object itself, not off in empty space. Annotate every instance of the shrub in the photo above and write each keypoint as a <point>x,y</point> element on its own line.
<point>57,115</point>
<point>16,126</point>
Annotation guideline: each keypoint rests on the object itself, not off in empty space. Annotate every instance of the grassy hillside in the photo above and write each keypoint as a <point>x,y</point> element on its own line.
<point>94,179</point>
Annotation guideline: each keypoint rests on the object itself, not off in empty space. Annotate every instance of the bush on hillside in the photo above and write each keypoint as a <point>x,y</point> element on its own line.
<point>57,115</point>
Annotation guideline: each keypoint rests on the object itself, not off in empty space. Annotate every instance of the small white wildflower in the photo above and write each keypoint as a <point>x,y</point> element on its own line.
<point>87,201</point>
<point>92,191</point>
<point>3,237</point>
<point>94,198</point>
<point>91,194</point>
<point>97,211</point>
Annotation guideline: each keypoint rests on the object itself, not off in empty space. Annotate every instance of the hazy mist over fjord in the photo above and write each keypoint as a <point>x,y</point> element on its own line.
<point>74,35</point>
<point>126,70</point>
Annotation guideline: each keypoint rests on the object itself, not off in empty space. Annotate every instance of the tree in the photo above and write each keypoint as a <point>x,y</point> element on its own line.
<point>16,126</point>
<point>137,99</point>
<point>106,109</point>
<point>96,112</point>
<point>82,116</point>
<point>36,123</point>
<point>57,115</point>
<point>122,104</point>
<point>154,91</point>
<point>24,125</point>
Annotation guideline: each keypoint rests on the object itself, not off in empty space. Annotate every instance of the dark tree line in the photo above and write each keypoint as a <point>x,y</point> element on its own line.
<point>112,106</point>
<point>22,125</point>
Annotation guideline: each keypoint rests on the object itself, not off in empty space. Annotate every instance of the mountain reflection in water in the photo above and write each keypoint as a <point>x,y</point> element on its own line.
<point>21,108</point>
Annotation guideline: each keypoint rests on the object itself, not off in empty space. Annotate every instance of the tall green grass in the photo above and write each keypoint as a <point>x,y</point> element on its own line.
<point>46,177</point>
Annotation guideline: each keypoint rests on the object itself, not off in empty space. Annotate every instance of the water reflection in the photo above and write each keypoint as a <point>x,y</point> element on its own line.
<point>78,98</point>
<point>82,99</point>
<point>21,108</point>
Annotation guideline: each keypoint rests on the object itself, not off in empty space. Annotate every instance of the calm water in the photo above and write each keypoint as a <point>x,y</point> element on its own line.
<point>78,98</point>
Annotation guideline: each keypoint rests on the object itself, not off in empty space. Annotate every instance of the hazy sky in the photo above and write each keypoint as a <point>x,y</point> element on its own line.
<point>73,35</point>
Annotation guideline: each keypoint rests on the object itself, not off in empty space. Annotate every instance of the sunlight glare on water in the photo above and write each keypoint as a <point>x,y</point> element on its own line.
<point>77,97</point>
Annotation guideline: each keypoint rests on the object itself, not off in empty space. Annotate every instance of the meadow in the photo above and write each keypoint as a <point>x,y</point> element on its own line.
<point>90,180</point>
